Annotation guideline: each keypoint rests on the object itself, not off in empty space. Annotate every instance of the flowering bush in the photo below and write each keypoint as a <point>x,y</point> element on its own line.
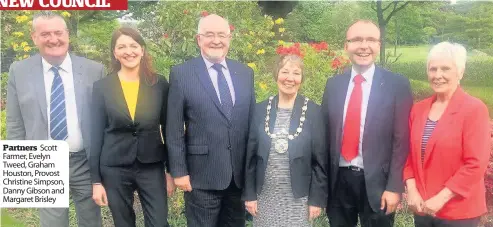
<point>256,40</point>
<point>16,33</point>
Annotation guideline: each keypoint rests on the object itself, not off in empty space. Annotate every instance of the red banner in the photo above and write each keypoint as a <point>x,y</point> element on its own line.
<point>63,4</point>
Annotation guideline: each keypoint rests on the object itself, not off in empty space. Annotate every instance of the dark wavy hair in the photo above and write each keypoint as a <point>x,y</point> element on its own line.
<point>146,71</point>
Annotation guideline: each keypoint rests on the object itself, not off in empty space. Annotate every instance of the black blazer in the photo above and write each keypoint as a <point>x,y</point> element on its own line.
<point>116,139</point>
<point>307,153</point>
<point>386,132</point>
<point>212,148</point>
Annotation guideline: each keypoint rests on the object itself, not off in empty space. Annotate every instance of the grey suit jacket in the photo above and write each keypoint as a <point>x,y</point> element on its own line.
<point>26,98</point>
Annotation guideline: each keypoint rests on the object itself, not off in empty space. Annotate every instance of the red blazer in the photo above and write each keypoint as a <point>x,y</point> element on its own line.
<point>456,156</point>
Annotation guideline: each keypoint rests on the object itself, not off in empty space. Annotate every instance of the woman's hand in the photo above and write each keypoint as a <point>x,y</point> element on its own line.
<point>99,195</point>
<point>314,212</point>
<point>251,207</point>
<point>415,201</point>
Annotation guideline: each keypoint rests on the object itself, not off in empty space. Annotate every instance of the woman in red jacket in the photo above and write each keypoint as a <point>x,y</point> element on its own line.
<point>450,146</point>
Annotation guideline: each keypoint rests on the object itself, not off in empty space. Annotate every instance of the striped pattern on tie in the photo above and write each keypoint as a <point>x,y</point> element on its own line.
<point>224,92</point>
<point>429,127</point>
<point>58,113</point>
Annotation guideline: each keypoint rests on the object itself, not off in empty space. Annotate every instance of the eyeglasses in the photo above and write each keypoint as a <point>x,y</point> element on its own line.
<point>360,40</point>
<point>211,35</point>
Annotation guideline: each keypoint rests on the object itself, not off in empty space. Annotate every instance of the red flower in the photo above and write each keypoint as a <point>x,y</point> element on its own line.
<point>165,35</point>
<point>231,27</point>
<point>294,50</point>
<point>185,11</point>
<point>336,63</point>
<point>204,13</point>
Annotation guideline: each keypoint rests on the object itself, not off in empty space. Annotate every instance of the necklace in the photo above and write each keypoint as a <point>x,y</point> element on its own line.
<point>281,144</point>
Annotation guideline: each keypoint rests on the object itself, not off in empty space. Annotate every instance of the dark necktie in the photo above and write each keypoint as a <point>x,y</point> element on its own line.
<point>350,138</point>
<point>58,115</point>
<point>224,93</point>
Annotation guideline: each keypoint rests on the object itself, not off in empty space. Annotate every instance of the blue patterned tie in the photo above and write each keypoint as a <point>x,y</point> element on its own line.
<point>224,93</point>
<point>58,115</point>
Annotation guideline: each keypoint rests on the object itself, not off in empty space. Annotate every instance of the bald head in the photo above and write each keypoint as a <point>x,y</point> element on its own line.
<point>363,24</point>
<point>213,20</point>
<point>213,38</point>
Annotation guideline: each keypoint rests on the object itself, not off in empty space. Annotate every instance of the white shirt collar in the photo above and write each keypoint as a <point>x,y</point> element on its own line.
<point>65,66</point>
<point>209,64</point>
<point>368,75</point>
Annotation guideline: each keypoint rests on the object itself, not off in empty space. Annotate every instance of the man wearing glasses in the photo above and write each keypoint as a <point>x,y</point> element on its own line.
<point>213,97</point>
<point>366,112</point>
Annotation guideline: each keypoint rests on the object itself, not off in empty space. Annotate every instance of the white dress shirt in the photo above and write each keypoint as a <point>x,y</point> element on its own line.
<point>366,87</point>
<point>213,75</point>
<point>74,138</point>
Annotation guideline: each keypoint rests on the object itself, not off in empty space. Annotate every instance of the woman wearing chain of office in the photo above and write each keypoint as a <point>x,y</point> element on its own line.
<point>286,180</point>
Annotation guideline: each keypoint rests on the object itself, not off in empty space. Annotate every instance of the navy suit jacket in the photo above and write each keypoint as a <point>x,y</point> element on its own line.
<point>202,142</point>
<point>386,133</point>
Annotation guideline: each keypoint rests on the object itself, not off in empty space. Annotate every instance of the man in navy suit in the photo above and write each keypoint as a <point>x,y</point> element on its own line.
<point>211,96</point>
<point>366,111</point>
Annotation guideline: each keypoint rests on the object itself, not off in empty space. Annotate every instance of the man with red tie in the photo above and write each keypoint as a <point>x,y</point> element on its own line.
<point>366,111</point>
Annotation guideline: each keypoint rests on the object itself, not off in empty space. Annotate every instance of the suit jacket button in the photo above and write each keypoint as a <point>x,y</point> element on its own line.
<point>134,133</point>
<point>229,147</point>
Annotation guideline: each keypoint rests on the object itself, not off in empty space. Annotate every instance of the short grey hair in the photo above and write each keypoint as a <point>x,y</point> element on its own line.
<point>201,21</point>
<point>454,51</point>
<point>46,15</point>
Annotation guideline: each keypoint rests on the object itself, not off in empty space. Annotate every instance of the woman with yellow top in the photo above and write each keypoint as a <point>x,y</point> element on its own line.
<point>127,152</point>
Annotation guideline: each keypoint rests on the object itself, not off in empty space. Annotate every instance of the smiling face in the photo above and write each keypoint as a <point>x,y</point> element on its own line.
<point>128,52</point>
<point>443,76</point>
<point>362,44</point>
<point>214,38</point>
<point>51,37</point>
<point>289,78</point>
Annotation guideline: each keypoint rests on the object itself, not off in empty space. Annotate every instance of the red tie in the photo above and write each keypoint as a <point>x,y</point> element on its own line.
<point>350,139</point>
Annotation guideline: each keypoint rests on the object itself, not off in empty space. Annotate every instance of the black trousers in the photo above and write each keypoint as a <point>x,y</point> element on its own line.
<point>120,184</point>
<point>428,221</point>
<point>350,201</point>
<point>215,208</point>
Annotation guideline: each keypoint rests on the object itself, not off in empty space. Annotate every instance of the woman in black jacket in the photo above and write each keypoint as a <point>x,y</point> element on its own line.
<point>286,180</point>
<point>128,153</point>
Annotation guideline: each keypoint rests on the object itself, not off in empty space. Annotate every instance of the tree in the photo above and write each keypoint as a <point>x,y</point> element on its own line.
<point>384,14</point>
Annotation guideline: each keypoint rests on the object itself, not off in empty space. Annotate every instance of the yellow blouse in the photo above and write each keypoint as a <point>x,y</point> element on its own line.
<point>131,92</point>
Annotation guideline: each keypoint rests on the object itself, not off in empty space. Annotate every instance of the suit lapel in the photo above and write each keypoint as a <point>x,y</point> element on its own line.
<point>39,86</point>
<point>38,77</point>
<point>119,96</point>
<point>205,80</point>
<point>293,125</point>
<point>142,100</point>
<point>341,99</point>
<point>79,86</point>
<point>443,123</point>
<point>374,102</point>
<point>418,127</point>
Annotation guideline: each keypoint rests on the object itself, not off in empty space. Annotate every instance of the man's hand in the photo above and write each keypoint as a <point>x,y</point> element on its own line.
<point>183,183</point>
<point>314,212</point>
<point>170,185</point>
<point>99,195</point>
<point>251,207</point>
<point>389,200</point>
